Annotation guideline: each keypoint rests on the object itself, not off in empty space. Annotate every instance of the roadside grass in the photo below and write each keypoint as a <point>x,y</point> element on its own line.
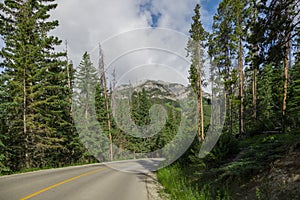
<point>180,187</point>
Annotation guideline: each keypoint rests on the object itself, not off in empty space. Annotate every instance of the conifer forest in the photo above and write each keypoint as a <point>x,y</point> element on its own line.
<point>253,47</point>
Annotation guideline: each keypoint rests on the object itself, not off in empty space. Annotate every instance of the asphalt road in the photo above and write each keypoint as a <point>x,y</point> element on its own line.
<point>112,181</point>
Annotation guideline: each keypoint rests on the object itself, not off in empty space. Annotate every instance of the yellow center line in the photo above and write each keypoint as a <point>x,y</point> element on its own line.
<point>60,183</point>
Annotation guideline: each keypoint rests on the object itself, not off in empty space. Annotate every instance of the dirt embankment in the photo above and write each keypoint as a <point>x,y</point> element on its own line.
<point>280,181</point>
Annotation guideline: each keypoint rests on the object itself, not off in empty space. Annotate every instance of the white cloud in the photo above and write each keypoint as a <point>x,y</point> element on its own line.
<point>120,26</point>
<point>85,24</point>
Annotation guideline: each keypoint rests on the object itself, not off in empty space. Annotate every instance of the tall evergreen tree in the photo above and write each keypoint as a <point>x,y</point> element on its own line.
<point>4,114</point>
<point>238,16</point>
<point>103,96</point>
<point>224,52</point>
<point>83,104</point>
<point>36,81</point>
<point>195,48</point>
<point>255,37</point>
<point>294,91</point>
<point>280,23</point>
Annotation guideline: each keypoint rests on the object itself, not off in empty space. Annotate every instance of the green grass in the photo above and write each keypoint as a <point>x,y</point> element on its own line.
<point>179,186</point>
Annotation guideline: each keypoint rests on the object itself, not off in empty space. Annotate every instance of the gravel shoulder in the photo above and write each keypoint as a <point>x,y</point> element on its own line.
<point>154,188</point>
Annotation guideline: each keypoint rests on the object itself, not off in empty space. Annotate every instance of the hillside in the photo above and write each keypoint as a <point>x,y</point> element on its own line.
<point>260,167</point>
<point>159,90</point>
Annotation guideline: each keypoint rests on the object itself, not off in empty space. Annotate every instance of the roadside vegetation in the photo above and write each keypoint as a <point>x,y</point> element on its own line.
<point>243,170</point>
<point>254,48</point>
<point>254,65</point>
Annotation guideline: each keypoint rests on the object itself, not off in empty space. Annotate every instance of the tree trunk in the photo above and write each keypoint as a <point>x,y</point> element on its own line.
<point>69,81</point>
<point>103,84</point>
<point>254,95</point>
<point>230,115</point>
<point>255,71</point>
<point>200,101</point>
<point>212,93</point>
<point>108,123</point>
<point>285,86</point>
<point>241,95</point>
<point>27,159</point>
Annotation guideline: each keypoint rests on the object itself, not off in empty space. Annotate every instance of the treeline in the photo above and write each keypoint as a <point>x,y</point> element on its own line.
<point>254,56</point>
<point>120,129</point>
<point>40,93</point>
<point>36,90</point>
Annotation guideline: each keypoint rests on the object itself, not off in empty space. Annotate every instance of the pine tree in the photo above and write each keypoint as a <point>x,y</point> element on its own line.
<point>73,147</point>
<point>105,99</point>
<point>4,108</point>
<point>238,23</point>
<point>140,114</point>
<point>83,105</point>
<point>294,92</point>
<point>195,48</point>
<point>224,52</point>
<point>36,81</point>
<point>254,38</point>
<point>280,24</point>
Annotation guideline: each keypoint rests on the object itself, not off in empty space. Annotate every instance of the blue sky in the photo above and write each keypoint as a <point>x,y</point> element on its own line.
<point>210,5</point>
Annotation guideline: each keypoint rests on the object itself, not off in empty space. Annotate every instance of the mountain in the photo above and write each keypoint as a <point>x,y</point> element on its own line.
<point>158,90</point>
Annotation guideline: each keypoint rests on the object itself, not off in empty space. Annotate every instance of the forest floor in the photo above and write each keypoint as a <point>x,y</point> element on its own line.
<point>280,179</point>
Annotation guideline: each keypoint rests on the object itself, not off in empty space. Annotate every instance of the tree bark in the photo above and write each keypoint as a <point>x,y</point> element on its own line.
<point>69,81</point>
<point>230,115</point>
<point>255,71</point>
<point>103,84</point>
<point>254,95</point>
<point>27,158</point>
<point>200,101</point>
<point>241,92</point>
<point>201,110</point>
<point>285,86</point>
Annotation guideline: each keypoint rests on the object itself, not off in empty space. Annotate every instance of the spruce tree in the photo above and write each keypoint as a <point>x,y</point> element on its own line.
<point>85,113</point>
<point>36,82</point>
<point>280,25</point>
<point>224,52</point>
<point>4,108</point>
<point>238,17</point>
<point>255,37</point>
<point>294,92</point>
<point>195,49</point>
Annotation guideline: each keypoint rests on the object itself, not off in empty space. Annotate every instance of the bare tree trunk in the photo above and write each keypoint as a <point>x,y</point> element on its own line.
<point>68,67</point>
<point>212,88</point>
<point>241,92</point>
<point>201,108</point>
<point>103,84</point>
<point>225,103</point>
<point>254,95</point>
<point>69,81</point>
<point>109,127</point>
<point>200,101</point>
<point>285,86</point>
<point>255,71</point>
<point>230,115</point>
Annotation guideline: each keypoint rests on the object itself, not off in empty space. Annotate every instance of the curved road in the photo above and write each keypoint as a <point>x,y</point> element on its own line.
<point>89,182</point>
